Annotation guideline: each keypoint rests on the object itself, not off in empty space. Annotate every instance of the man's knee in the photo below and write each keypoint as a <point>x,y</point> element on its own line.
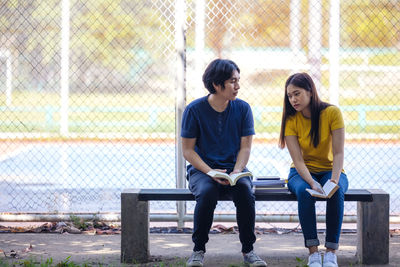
<point>244,196</point>
<point>207,194</point>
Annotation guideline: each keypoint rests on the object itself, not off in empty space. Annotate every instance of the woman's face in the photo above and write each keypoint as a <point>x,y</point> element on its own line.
<point>299,98</point>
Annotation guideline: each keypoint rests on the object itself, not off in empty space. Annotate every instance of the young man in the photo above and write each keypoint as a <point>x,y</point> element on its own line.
<point>217,132</point>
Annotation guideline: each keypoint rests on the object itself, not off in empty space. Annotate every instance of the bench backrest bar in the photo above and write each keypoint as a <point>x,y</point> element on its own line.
<point>175,194</point>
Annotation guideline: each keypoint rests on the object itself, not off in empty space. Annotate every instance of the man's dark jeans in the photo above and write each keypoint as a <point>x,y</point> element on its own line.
<point>206,192</point>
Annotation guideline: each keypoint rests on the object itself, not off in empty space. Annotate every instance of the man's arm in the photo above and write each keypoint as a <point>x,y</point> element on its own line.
<point>243,154</point>
<point>191,155</point>
<point>193,158</point>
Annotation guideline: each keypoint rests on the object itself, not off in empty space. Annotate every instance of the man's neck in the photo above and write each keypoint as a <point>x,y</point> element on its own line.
<point>218,103</point>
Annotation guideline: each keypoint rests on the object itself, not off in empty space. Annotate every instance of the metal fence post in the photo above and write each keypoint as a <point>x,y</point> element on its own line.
<point>65,22</point>
<point>334,46</point>
<point>180,45</point>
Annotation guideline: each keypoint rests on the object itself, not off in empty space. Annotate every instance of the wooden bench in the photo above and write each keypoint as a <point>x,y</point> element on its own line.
<point>372,220</point>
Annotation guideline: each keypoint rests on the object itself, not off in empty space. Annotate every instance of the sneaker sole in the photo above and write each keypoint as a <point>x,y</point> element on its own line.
<point>255,265</point>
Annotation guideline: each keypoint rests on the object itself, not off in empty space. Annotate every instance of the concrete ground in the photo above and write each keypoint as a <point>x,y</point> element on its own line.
<point>171,249</point>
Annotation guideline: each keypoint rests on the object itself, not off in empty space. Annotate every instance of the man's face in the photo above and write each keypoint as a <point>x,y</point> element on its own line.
<point>231,85</point>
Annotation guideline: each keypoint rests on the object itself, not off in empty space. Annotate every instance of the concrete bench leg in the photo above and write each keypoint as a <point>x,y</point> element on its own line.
<point>373,229</point>
<point>134,228</point>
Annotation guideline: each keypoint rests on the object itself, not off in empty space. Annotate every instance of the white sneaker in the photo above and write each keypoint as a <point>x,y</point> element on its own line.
<point>330,259</point>
<point>314,260</point>
<point>196,259</point>
<point>251,259</point>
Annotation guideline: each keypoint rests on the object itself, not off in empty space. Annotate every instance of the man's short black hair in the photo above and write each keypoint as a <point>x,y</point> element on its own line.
<point>217,72</point>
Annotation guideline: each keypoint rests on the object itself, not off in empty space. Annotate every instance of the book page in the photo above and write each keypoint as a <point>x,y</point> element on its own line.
<point>214,173</point>
<point>236,176</point>
<point>231,178</point>
<point>330,188</point>
<point>217,174</point>
<point>240,174</point>
<point>315,193</point>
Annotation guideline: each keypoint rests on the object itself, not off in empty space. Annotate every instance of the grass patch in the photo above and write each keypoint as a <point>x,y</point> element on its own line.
<point>151,114</point>
<point>45,263</point>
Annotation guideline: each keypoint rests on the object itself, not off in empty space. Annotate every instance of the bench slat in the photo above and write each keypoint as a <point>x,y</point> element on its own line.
<point>177,194</point>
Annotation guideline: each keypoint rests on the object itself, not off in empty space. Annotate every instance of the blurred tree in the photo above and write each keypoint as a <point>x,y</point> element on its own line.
<point>267,23</point>
<point>16,30</point>
<point>219,18</point>
<point>370,23</point>
<point>110,37</point>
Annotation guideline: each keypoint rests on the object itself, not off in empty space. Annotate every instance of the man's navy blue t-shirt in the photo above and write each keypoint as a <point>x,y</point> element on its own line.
<point>218,134</point>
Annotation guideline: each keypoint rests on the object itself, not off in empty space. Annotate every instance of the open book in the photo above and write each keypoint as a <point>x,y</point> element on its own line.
<point>232,178</point>
<point>329,189</point>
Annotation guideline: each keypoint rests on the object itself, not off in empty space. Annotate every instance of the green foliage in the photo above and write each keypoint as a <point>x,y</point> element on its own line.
<point>369,23</point>
<point>96,221</point>
<point>388,58</point>
<point>3,263</point>
<point>65,263</point>
<point>301,262</point>
<point>32,115</point>
<point>107,33</point>
<point>83,224</point>
<point>49,262</point>
<point>78,222</point>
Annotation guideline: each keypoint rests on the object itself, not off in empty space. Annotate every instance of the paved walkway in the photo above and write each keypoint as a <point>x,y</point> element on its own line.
<point>173,249</point>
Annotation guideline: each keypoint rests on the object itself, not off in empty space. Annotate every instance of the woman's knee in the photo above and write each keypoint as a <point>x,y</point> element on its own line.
<point>298,187</point>
<point>304,197</point>
<point>338,196</point>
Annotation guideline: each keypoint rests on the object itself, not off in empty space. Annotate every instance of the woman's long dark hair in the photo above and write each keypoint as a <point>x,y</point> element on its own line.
<point>303,80</point>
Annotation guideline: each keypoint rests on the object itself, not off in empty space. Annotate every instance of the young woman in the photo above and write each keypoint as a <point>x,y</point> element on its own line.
<point>313,132</point>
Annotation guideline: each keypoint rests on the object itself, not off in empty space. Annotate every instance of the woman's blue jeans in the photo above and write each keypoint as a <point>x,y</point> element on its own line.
<point>206,192</point>
<point>306,207</point>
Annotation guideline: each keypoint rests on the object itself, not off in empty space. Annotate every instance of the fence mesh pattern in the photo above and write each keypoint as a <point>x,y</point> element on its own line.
<point>89,91</point>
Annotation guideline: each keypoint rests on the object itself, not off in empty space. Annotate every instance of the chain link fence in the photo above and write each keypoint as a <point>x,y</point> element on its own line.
<point>91,92</point>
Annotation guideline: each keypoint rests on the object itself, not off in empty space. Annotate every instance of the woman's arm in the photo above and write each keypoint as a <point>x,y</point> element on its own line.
<point>338,153</point>
<point>297,157</point>
<point>243,154</point>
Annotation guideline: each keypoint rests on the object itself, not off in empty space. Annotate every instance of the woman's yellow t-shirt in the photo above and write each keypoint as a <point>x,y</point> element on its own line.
<point>320,158</point>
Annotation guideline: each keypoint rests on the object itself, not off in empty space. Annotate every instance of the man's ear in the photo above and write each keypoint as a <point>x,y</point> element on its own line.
<point>217,87</point>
